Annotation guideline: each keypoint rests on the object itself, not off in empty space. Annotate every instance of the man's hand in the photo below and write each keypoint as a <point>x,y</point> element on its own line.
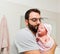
<point>52,50</point>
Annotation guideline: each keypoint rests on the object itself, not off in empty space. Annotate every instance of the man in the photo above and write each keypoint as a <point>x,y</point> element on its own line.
<point>25,38</point>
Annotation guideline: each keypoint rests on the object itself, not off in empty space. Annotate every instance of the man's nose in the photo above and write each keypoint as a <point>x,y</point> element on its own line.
<point>38,22</point>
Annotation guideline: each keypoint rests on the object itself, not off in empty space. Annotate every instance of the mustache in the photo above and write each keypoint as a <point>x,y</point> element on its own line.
<point>36,27</point>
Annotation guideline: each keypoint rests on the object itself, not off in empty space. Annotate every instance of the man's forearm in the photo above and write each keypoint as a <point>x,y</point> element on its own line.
<point>32,52</point>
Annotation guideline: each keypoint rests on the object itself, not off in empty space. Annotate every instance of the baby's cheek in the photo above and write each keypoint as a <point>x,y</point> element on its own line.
<point>41,33</point>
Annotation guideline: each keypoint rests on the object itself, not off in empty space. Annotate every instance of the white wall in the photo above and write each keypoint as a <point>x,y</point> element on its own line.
<point>57,51</point>
<point>58,28</point>
<point>58,6</point>
<point>51,5</point>
<point>13,11</point>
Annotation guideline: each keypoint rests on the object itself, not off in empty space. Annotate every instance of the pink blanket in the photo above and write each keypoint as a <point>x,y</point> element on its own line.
<point>43,37</point>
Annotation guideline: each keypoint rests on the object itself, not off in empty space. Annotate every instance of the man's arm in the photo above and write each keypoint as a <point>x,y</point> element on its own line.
<point>26,43</point>
<point>32,52</point>
<point>51,51</point>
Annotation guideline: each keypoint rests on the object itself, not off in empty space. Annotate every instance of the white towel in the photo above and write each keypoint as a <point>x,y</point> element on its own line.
<point>4,40</point>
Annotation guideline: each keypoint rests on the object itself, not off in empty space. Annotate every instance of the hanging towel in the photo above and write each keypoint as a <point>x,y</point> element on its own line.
<point>4,40</point>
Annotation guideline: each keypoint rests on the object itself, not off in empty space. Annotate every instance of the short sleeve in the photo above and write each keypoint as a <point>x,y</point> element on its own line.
<point>25,42</point>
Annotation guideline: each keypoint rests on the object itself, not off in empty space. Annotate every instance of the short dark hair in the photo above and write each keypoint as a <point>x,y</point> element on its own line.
<point>31,10</point>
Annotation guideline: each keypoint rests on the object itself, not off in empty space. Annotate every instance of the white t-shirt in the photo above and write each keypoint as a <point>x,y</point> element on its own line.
<point>25,41</point>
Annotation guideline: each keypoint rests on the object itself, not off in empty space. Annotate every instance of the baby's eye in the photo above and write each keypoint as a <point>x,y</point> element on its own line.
<point>41,28</point>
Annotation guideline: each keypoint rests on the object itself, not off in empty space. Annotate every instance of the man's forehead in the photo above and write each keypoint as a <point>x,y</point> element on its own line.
<point>34,14</point>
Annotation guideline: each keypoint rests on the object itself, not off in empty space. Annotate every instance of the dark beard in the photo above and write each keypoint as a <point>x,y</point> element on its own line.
<point>33,28</point>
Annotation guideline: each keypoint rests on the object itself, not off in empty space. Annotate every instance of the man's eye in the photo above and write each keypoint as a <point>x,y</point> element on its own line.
<point>34,20</point>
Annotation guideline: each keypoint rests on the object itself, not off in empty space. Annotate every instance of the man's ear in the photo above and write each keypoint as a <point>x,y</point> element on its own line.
<point>26,22</point>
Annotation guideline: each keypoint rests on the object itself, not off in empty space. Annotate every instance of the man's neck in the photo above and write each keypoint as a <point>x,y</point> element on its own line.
<point>33,33</point>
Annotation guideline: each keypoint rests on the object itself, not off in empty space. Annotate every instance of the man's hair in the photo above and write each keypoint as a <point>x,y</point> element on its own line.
<point>31,10</point>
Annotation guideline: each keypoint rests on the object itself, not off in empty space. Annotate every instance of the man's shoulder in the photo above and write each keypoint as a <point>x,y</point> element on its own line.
<point>20,34</point>
<point>22,30</point>
<point>25,32</point>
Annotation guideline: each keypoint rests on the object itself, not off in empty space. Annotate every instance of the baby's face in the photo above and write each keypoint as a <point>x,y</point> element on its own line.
<point>42,30</point>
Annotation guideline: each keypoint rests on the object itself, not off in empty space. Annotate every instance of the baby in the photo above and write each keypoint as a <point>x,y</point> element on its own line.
<point>43,37</point>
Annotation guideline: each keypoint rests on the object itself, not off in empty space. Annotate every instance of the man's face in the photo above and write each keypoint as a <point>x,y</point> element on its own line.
<point>34,21</point>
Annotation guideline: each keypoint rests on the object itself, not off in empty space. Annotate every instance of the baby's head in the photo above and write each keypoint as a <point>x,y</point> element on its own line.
<point>42,31</point>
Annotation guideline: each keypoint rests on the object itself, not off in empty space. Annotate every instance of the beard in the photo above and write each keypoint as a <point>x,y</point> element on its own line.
<point>33,28</point>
